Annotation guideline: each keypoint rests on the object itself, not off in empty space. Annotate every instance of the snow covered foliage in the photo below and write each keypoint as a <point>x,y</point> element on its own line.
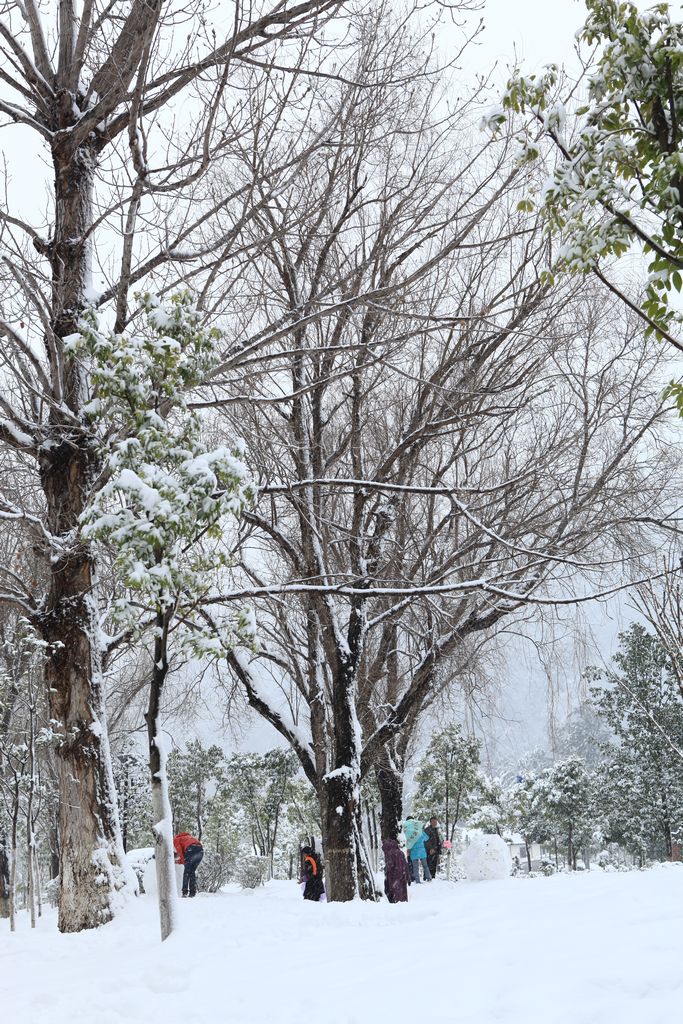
<point>252,871</point>
<point>166,497</point>
<point>490,805</point>
<point>241,806</point>
<point>139,860</point>
<point>28,739</point>
<point>447,778</point>
<point>640,785</point>
<point>564,793</point>
<point>486,859</point>
<point>131,778</point>
<point>619,175</point>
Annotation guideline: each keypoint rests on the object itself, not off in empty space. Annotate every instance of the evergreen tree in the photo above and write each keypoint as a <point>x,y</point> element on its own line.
<point>584,733</point>
<point>527,811</point>
<point>260,785</point>
<point>491,811</point>
<point>192,775</point>
<point>164,510</point>
<point>641,779</point>
<point>131,778</point>
<point>447,776</point>
<point>564,795</point>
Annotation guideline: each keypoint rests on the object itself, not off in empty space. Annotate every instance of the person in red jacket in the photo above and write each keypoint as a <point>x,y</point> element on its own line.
<point>188,851</point>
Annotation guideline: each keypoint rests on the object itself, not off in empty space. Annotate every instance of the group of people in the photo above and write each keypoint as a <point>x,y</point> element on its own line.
<point>423,847</point>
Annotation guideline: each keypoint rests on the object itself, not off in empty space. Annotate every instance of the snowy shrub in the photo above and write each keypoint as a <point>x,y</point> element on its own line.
<point>547,867</point>
<point>252,871</point>
<point>217,869</point>
<point>138,860</point>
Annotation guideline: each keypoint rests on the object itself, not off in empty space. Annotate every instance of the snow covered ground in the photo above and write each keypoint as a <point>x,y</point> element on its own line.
<point>565,950</point>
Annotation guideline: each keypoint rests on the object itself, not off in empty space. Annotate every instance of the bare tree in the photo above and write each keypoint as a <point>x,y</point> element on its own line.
<point>440,439</point>
<point>660,602</point>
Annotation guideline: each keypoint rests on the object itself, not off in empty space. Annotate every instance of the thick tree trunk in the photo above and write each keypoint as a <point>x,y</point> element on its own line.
<point>347,866</point>
<point>367,889</point>
<point>92,866</point>
<point>390,784</point>
<point>528,856</point>
<point>346,862</point>
<point>339,836</point>
<point>92,862</point>
<point>161,805</point>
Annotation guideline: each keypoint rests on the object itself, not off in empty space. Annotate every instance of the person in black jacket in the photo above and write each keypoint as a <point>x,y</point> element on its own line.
<point>433,846</point>
<point>312,874</point>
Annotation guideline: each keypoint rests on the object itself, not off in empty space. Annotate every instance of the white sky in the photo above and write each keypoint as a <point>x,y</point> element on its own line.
<point>536,32</point>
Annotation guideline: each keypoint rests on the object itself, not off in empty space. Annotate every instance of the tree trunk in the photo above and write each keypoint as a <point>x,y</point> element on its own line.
<point>92,866</point>
<point>528,856</point>
<point>37,881</point>
<point>54,847</point>
<point>347,868</point>
<point>367,889</point>
<point>161,805</point>
<point>339,837</point>
<point>4,878</point>
<point>390,784</point>
<point>373,836</point>
<point>346,862</point>
<point>668,839</point>
<point>92,861</point>
<point>30,842</point>
<point>13,859</point>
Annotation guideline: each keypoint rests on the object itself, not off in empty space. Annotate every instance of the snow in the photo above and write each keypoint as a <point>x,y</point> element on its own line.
<point>571,949</point>
<point>20,437</point>
<point>149,877</point>
<point>486,859</point>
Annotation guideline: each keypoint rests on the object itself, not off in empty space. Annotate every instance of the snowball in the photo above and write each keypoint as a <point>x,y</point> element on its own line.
<point>487,858</point>
<point>149,878</point>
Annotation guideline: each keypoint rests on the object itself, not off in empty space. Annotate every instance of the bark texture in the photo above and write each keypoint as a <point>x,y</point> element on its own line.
<point>91,856</point>
<point>390,785</point>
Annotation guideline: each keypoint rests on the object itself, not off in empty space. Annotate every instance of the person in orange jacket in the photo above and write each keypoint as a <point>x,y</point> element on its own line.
<point>189,852</point>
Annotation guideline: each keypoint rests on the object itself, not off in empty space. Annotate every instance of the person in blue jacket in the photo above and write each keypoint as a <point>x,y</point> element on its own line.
<point>411,830</point>
<point>418,855</point>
